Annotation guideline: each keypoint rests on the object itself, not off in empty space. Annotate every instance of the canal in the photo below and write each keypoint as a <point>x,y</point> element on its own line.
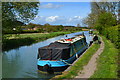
<point>22,62</point>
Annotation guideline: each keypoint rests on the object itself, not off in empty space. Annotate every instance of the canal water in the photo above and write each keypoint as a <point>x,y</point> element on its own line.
<point>22,62</point>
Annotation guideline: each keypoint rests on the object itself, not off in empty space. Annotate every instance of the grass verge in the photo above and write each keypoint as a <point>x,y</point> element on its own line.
<point>15,41</point>
<point>107,62</point>
<point>80,63</point>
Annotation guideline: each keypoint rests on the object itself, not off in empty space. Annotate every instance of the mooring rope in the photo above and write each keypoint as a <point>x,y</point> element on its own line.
<point>65,62</point>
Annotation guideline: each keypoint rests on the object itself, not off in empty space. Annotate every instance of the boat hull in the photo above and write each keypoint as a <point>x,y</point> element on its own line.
<point>58,66</point>
<point>53,69</point>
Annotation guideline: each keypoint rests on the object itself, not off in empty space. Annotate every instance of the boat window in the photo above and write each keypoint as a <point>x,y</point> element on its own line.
<point>72,52</point>
<point>76,47</point>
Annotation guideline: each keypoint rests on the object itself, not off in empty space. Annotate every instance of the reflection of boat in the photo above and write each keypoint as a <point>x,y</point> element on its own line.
<point>57,56</point>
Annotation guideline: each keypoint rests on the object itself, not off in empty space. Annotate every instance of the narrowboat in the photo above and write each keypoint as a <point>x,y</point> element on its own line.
<point>57,56</point>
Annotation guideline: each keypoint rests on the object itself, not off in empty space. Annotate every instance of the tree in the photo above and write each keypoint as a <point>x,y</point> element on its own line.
<point>119,12</point>
<point>18,11</point>
<point>47,24</point>
<point>98,8</point>
<point>90,20</point>
<point>31,25</point>
<point>78,25</point>
<point>105,20</point>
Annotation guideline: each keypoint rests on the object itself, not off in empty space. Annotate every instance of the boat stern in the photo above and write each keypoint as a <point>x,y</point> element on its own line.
<point>51,66</point>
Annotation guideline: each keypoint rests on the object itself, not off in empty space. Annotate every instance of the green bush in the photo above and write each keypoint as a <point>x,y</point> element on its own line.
<point>30,31</point>
<point>11,31</point>
<point>112,34</point>
<point>105,20</point>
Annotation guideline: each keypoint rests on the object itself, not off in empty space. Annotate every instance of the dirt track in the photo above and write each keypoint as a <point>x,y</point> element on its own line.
<point>90,68</point>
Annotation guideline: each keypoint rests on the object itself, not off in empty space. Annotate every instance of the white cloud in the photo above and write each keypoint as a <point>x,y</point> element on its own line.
<point>51,18</point>
<point>50,5</point>
<point>77,17</point>
<point>57,20</point>
<point>70,19</point>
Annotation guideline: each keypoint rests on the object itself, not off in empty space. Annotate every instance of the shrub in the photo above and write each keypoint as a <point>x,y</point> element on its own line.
<point>105,20</point>
<point>30,31</point>
<point>112,34</point>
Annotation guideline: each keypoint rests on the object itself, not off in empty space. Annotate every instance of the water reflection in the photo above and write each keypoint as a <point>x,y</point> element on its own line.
<point>22,62</point>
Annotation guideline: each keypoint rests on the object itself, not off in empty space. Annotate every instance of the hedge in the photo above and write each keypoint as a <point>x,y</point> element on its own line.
<point>112,33</point>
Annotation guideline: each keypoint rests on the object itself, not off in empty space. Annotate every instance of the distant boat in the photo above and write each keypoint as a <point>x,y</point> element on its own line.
<point>91,31</point>
<point>57,56</point>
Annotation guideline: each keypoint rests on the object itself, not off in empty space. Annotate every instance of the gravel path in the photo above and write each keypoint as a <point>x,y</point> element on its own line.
<point>90,68</point>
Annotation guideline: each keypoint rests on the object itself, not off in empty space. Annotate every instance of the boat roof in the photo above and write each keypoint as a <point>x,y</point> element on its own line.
<point>71,40</point>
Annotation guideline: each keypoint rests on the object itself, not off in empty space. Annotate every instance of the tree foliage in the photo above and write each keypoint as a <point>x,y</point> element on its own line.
<point>104,17</point>
<point>105,20</point>
<point>90,20</point>
<point>18,11</point>
<point>98,8</point>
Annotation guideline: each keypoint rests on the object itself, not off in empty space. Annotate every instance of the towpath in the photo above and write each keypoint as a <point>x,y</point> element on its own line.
<point>90,68</point>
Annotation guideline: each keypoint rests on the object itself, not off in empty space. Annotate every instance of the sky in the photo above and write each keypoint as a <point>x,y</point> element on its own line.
<point>62,13</point>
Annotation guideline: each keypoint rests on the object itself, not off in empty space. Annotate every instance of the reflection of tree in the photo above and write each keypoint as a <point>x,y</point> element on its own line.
<point>11,64</point>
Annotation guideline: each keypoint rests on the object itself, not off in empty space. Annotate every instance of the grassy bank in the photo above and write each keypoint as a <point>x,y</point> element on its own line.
<point>107,62</point>
<point>80,63</point>
<point>15,41</point>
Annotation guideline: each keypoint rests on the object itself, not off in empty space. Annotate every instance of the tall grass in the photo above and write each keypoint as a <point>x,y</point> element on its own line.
<point>107,62</point>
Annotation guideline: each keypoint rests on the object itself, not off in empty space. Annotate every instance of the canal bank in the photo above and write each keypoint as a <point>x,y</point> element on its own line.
<point>107,66</point>
<point>90,68</point>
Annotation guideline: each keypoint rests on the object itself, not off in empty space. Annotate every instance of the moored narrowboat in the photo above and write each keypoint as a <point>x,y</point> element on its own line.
<point>57,56</point>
